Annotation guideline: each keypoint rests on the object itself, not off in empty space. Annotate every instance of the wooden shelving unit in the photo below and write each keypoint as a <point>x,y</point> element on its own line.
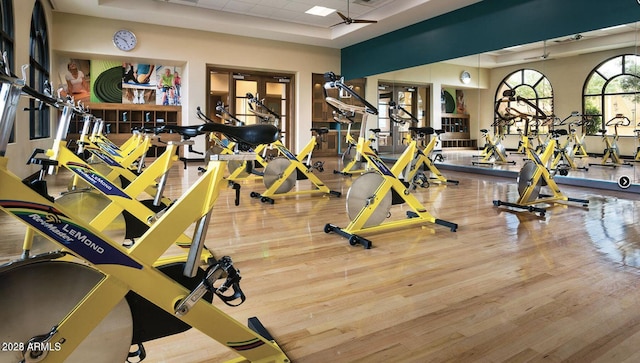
<point>456,131</point>
<point>122,119</point>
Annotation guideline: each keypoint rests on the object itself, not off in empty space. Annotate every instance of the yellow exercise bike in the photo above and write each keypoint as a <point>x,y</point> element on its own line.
<point>563,158</point>
<point>372,194</point>
<point>282,173</point>
<point>534,175</point>
<point>611,150</point>
<point>96,300</point>
<point>422,161</point>
<point>352,161</point>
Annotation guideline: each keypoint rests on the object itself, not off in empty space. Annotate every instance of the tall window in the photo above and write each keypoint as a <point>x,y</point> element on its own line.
<point>533,86</point>
<point>611,94</point>
<point>39,120</point>
<point>6,37</point>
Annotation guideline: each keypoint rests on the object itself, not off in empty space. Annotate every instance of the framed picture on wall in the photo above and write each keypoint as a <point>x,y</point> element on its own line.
<point>169,85</point>
<point>74,78</point>
<point>139,83</point>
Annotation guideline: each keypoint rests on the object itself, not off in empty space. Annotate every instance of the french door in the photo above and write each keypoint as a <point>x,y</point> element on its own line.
<point>231,87</point>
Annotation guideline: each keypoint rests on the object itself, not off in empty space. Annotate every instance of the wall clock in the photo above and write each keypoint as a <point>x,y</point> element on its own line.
<point>465,77</point>
<point>124,40</point>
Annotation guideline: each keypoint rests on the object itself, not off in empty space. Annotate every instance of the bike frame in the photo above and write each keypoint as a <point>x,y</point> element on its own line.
<point>124,269</point>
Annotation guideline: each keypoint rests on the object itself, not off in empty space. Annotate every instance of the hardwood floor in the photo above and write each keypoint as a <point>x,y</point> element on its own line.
<point>506,287</point>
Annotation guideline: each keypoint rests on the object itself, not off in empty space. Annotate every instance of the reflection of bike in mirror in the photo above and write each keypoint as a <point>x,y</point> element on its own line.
<point>611,150</point>
<point>423,159</point>
<point>534,175</point>
<point>563,157</point>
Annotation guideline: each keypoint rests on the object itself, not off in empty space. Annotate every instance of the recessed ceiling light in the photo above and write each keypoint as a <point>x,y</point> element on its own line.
<point>320,11</point>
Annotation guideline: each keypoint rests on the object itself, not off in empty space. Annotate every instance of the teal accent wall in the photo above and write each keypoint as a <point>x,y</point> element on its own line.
<point>481,27</point>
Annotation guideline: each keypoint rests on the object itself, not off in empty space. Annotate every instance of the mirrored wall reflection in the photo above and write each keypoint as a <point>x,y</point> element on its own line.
<point>586,84</point>
<point>614,231</point>
<point>400,106</point>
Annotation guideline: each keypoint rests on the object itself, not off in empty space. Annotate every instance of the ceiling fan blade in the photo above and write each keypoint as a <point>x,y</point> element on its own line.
<point>345,18</point>
<point>364,21</point>
<point>340,23</point>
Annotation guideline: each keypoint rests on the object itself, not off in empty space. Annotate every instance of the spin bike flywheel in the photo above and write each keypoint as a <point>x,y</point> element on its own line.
<point>233,165</point>
<point>274,172</point>
<point>348,156</point>
<point>362,192</point>
<point>35,297</point>
<point>524,179</point>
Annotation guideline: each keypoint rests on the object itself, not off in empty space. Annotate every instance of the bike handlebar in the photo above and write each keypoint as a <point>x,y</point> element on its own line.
<point>622,120</point>
<point>332,81</point>
<point>398,119</point>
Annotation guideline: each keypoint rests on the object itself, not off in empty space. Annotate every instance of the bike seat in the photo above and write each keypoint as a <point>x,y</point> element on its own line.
<point>484,131</point>
<point>602,131</point>
<point>422,130</point>
<point>375,131</point>
<point>320,131</point>
<point>185,131</point>
<point>438,132</point>
<point>252,135</point>
<point>151,130</point>
<point>560,132</point>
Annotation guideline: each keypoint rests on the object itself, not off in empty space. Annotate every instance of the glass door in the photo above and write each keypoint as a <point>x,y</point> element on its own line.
<point>411,99</point>
<point>274,90</point>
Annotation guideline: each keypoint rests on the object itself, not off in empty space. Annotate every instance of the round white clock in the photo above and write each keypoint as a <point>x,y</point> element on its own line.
<point>124,40</point>
<point>465,77</point>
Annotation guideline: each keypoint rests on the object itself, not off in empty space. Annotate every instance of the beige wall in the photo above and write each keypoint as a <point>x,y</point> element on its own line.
<point>90,38</point>
<point>194,50</point>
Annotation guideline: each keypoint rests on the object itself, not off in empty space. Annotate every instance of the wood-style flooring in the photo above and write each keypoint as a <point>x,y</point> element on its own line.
<point>506,287</point>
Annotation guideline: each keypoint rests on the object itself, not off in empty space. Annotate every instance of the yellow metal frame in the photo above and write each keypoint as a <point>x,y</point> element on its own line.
<point>422,158</point>
<point>541,172</point>
<point>240,173</point>
<point>294,166</point>
<point>491,149</point>
<point>133,269</point>
<point>349,168</point>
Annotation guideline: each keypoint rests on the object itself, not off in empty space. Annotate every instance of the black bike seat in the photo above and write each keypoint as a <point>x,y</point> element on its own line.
<point>422,130</point>
<point>438,132</point>
<point>185,131</point>
<point>320,131</point>
<point>560,132</point>
<point>484,131</point>
<point>252,135</point>
<point>375,131</point>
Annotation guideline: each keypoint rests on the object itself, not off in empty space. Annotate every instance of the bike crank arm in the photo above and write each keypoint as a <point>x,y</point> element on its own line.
<point>215,272</point>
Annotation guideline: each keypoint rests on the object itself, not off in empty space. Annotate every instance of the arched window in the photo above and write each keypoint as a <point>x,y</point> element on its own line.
<point>532,86</point>
<point>6,37</point>
<point>612,91</point>
<point>39,123</point>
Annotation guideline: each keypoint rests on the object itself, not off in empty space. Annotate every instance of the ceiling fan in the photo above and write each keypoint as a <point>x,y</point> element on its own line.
<point>544,55</point>
<point>572,38</point>
<point>348,20</point>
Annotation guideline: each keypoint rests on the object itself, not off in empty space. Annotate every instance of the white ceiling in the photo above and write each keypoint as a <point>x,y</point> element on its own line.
<point>286,20</point>
<point>271,19</point>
